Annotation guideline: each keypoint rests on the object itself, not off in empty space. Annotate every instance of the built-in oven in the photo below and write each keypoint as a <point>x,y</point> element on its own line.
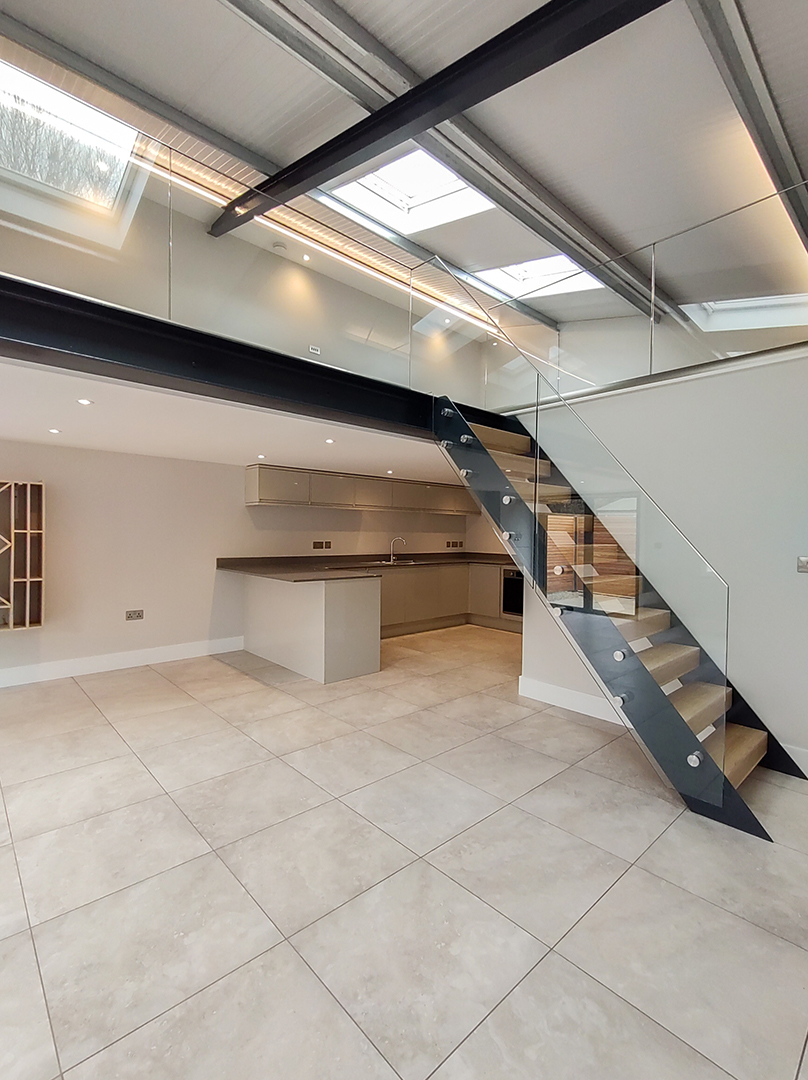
<point>512,604</point>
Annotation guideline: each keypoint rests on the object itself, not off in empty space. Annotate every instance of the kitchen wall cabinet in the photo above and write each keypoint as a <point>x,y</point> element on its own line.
<point>270,484</point>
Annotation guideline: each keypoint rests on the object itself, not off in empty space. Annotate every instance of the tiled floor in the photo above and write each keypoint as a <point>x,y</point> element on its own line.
<point>215,868</point>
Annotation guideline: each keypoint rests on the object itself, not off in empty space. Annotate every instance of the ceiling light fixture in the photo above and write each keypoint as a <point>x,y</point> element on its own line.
<point>84,401</point>
<point>55,430</point>
<point>261,457</point>
<point>306,258</point>
<point>329,440</point>
<point>389,472</point>
<point>447,321</point>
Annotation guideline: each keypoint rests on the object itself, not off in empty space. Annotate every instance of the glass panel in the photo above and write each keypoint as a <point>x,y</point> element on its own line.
<point>284,281</point>
<point>742,282</point>
<point>644,607</point>
<point>82,208</point>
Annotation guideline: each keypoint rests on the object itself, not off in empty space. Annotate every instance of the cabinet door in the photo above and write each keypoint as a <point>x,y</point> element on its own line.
<point>372,493</point>
<point>484,589</point>
<point>282,485</point>
<point>331,489</point>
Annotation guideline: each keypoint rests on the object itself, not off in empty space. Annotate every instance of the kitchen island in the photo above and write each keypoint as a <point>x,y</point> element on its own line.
<point>324,616</point>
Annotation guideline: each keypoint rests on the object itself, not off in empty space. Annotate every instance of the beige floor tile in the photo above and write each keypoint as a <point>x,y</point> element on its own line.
<point>36,701</point>
<point>5,833</point>
<point>509,691</point>
<point>622,760</point>
<point>77,864</point>
<point>121,695</point>
<point>782,811</point>
<point>537,875</point>
<point>321,694</point>
<point>483,712</point>
<point>305,867</point>
<point>468,680</point>
<point>190,761</point>
<point>242,660</point>
<point>239,803</point>
<point>157,729</point>
<point>558,1024</point>
<point>117,963</point>
<point>349,762</point>
<point>13,917</point>
<point>704,974</point>
<point>270,1018</point>
<point>558,738</point>
<point>256,705</point>
<point>305,726</point>
<point>50,802</point>
<point>424,663</point>
<point>616,817</point>
<point>762,882</point>
<point>794,783</point>
<point>42,757</point>
<point>418,962</point>
<point>26,1044</point>
<point>502,768</point>
<point>57,722</point>
<point>425,733</point>
<point>206,679</point>
<point>421,690</point>
<point>368,708</point>
<point>377,680</point>
<point>423,806</point>
<point>275,675</point>
<point>609,727</point>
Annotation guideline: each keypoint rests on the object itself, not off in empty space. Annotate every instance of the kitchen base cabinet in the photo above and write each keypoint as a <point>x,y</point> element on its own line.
<point>417,598</point>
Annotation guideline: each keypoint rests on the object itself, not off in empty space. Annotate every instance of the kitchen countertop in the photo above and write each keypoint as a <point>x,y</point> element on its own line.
<point>341,567</point>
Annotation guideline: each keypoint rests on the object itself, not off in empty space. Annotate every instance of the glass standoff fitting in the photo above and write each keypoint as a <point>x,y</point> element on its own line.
<point>619,699</point>
<point>695,759</point>
<point>447,444</point>
<point>466,473</point>
<point>513,537</point>
<point>558,570</point>
<point>466,438</point>
<point>447,412</point>
<point>507,499</point>
<point>619,655</point>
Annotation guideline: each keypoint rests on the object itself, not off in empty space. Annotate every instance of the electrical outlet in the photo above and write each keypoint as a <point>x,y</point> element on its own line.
<point>459,543</point>
<point>318,545</point>
<point>327,544</point>
<point>135,615</point>
<point>314,349</point>
<point>448,543</point>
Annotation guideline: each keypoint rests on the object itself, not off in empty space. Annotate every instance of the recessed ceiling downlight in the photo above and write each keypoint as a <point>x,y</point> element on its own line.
<point>329,440</point>
<point>55,430</point>
<point>84,401</point>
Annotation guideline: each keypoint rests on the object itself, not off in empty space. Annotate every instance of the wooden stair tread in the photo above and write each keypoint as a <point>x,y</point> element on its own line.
<point>737,750</point>
<point>520,467</point>
<point>668,661</point>
<point>507,441</point>
<point>612,584</point>
<point>647,621</point>
<point>701,704</point>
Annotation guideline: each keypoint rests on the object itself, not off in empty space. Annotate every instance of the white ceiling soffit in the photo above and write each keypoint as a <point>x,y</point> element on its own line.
<point>780,33</point>
<point>201,57</point>
<point>638,134</point>
<point>130,419</point>
<point>428,36</point>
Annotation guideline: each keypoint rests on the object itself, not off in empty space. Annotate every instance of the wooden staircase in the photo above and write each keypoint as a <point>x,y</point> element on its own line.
<point>600,563</point>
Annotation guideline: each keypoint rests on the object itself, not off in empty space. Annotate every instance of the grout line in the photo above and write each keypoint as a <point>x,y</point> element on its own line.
<point>33,941</point>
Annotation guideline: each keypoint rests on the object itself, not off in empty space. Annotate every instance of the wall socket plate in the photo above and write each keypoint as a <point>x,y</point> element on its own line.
<point>802,564</point>
<point>318,545</point>
<point>134,615</point>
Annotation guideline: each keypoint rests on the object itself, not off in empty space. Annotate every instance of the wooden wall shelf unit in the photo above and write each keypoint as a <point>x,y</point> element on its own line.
<point>279,486</point>
<point>22,554</point>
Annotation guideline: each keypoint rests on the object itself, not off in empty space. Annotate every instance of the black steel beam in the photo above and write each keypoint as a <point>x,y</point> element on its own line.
<point>45,326</point>
<point>556,30</point>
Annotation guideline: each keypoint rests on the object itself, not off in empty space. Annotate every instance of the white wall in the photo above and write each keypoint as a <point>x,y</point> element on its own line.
<point>725,457</point>
<point>126,531</point>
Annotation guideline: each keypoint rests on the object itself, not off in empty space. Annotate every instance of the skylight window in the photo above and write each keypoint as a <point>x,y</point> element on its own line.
<point>412,194</point>
<point>750,313</point>
<point>52,139</point>
<point>552,276</point>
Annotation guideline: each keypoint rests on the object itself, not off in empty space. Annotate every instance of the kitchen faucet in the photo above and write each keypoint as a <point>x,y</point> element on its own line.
<point>392,542</point>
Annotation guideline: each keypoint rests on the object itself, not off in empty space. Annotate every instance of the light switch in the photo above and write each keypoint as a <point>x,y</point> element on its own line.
<point>802,564</point>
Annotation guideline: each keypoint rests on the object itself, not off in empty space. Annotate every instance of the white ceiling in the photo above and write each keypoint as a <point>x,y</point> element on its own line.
<point>130,419</point>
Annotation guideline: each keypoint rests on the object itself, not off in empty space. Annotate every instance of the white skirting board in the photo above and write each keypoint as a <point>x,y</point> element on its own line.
<point>89,665</point>
<point>588,704</point>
